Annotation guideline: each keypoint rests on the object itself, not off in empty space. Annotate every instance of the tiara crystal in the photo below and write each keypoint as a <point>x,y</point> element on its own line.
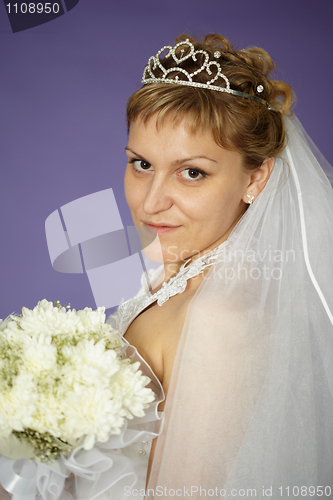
<point>207,66</point>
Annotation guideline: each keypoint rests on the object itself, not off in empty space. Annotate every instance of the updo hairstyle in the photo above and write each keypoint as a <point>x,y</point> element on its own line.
<point>237,123</point>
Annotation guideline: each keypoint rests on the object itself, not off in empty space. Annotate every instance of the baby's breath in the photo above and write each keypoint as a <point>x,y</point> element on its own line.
<point>10,361</point>
<point>48,448</point>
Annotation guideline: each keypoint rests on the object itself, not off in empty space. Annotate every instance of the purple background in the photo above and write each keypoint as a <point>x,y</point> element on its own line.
<point>63,90</point>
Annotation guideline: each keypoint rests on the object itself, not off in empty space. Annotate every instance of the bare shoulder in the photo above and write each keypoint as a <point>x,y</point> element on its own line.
<point>156,333</point>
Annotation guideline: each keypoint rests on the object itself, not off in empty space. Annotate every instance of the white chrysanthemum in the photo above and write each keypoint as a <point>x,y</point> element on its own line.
<point>129,385</point>
<point>89,364</point>
<point>94,320</point>
<point>93,413</point>
<point>17,404</point>
<point>4,323</point>
<point>38,358</point>
<point>12,331</point>
<point>48,320</point>
<point>48,414</point>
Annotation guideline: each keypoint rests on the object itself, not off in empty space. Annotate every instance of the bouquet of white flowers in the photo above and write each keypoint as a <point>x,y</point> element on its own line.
<point>65,384</point>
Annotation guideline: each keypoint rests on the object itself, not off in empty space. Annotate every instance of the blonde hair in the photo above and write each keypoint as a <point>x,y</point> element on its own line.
<point>237,123</point>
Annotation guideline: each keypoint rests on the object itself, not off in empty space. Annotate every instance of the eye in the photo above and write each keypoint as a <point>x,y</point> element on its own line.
<point>141,165</point>
<point>192,174</point>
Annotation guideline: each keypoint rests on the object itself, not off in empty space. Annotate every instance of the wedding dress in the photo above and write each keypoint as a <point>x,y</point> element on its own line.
<point>249,411</point>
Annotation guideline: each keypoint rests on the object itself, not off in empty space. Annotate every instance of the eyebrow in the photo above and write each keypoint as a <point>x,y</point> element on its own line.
<point>180,161</point>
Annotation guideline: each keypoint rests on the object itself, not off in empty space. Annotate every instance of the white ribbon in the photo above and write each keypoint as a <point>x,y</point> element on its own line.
<point>95,472</point>
<point>15,477</point>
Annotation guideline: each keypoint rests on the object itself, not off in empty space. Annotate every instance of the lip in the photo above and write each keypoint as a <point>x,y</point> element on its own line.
<point>160,227</point>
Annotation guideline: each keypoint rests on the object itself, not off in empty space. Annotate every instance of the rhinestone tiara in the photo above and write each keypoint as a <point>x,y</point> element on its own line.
<point>154,62</point>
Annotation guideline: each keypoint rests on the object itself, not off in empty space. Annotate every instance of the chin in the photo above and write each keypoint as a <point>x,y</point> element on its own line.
<point>154,252</point>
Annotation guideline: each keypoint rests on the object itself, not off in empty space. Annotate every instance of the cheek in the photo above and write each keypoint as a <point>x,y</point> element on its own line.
<point>195,204</point>
<point>205,208</point>
<point>218,209</point>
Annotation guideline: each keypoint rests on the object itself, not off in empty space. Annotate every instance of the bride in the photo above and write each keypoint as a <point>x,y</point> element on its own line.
<point>237,326</point>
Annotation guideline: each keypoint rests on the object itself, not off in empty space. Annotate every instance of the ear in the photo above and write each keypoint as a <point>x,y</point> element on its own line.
<point>258,180</point>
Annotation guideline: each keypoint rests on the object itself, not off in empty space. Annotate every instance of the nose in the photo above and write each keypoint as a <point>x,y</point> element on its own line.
<point>158,197</point>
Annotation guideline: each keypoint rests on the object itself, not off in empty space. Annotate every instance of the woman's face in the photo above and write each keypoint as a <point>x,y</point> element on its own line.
<point>184,187</point>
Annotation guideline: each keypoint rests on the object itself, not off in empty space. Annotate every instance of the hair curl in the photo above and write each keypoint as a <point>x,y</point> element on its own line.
<point>237,123</point>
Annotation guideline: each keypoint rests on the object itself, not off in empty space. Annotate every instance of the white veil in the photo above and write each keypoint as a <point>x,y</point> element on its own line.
<point>249,412</point>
